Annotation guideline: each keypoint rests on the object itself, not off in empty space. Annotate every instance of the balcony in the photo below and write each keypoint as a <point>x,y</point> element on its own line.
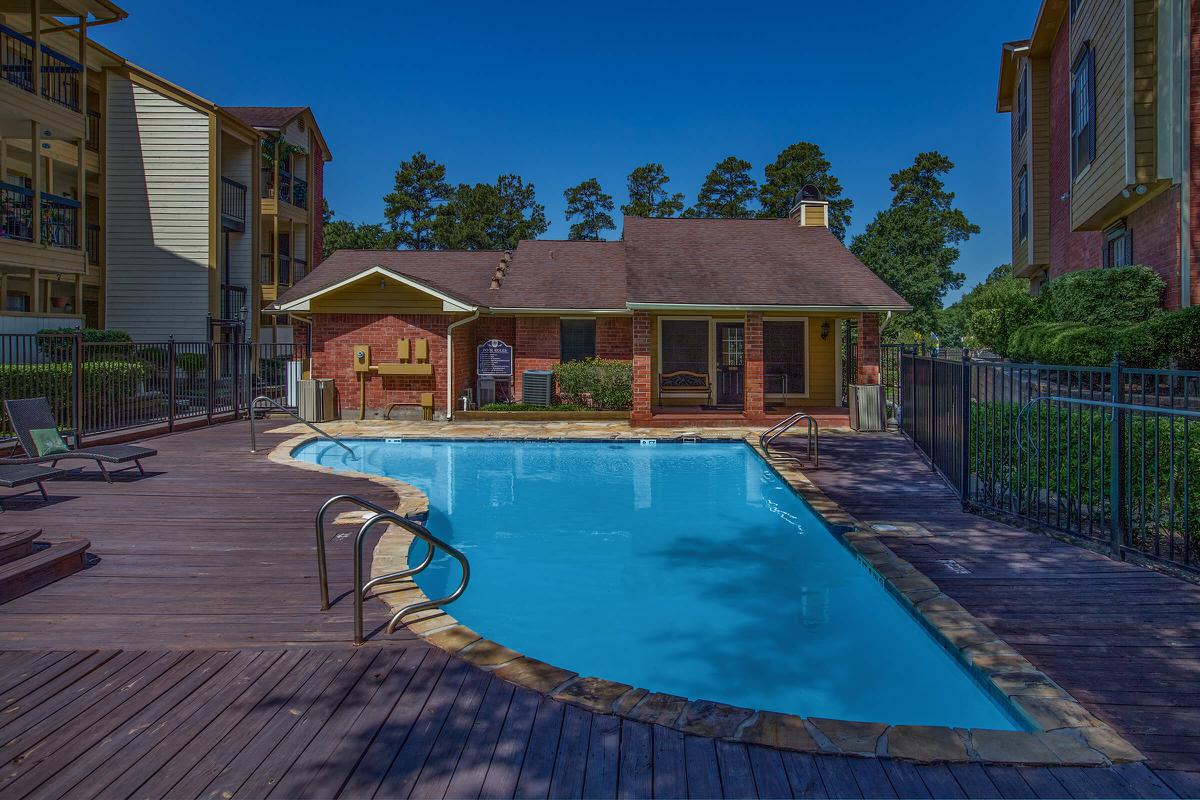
<point>233,302</point>
<point>285,272</point>
<point>92,139</point>
<point>60,217</point>
<point>266,269</point>
<point>299,269</point>
<point>292,190</point>
<point>233,205</point>
<point>60,75</point>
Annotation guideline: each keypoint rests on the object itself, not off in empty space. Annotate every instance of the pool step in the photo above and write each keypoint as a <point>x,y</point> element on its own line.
<point>26,565</point>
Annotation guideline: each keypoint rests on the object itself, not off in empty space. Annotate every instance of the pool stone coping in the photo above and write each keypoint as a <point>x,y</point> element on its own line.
<point>1068,734</point>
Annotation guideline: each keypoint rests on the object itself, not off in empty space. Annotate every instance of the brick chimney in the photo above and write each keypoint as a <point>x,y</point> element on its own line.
<point>811,210</point>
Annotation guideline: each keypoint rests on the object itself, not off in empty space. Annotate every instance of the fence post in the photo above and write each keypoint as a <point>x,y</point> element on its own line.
<point>171,376</point>
<point>77,387</point>
<point>965,442</point>
<point>933,414</point>
<point>1116,486</point>
<point>235,398</point>
<point>210,376</point>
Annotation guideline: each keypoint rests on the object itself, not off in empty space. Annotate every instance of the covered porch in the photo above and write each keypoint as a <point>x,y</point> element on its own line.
<point>725,366</point>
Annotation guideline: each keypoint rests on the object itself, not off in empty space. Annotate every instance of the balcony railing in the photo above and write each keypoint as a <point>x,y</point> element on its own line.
<point>233,302</point>
<point>60,221</point>
<point>233,203</point>
<point>285,272</point>
<point>299,269</point>
<point>292,189</point>
<point>92,244</point>
<point>266,269</point>
<point>60,75</point>
<point>299,192</point>
<point>93,131</point>
<point>16,212</point>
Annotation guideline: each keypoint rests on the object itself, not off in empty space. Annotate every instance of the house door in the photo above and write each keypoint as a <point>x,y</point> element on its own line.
<point>731,359</point>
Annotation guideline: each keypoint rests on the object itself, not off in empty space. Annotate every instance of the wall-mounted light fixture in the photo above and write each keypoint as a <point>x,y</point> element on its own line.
<point>825,329</point>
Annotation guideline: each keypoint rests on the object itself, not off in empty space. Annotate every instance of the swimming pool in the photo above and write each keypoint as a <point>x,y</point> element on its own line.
<point>690,569</point>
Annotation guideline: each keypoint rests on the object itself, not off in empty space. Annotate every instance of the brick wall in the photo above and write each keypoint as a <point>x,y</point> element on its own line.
<point>316,195</point>
<point>753,400</point>
<point>1155,230</point>
<point>536,346</point>
<point>334,338</point>
<point>642,379</point>
<point>614,338</point>
<point>1069,250</point>
<point>868,349</point>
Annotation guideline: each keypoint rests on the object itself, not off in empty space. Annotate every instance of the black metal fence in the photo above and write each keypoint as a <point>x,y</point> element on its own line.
<point>1107,454</point>
<point>102,387</point>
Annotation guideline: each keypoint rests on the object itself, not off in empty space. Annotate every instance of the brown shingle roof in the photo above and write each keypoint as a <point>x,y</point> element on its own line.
<point>459,274</point>
<point>563,274</point>
<point>265,116</point>
<point>758,262</point>
<point>713,262</point>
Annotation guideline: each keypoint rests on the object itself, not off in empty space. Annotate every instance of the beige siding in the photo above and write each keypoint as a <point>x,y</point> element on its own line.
<point>236,164</point>
<point>157,205</point>
<point>1145,90</point>
<point>1102,23</point>
<point>365,297</point>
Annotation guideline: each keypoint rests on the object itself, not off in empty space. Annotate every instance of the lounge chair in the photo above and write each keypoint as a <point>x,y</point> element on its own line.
<point>34,414</point>
<point>14,475</point>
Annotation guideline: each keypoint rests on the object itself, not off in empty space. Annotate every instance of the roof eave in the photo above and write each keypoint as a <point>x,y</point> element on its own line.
<point>774,307</point>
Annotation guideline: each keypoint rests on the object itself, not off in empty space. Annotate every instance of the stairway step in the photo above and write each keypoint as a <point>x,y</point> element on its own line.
<point>41,568</point>
<point>17,544</point>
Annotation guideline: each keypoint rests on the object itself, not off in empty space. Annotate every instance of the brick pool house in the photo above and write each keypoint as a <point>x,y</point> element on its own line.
<point>724,319</point>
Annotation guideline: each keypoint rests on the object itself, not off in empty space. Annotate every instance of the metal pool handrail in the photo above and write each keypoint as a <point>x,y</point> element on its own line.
<point>780,428</point>
<point>360,588</point>
<point>286,410</point>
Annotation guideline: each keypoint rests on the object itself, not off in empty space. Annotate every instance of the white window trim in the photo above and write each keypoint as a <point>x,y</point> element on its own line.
<point>807,360</point>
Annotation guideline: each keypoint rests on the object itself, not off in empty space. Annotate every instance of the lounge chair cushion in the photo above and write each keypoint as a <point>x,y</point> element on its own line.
<point>48,441</point>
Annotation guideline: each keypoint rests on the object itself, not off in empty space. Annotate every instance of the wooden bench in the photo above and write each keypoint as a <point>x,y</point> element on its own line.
<point>684,382</point>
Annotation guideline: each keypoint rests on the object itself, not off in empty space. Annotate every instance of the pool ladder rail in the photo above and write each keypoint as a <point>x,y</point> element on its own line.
<point>360,588</point>
<point>780,428</point>
<point>272,403</point>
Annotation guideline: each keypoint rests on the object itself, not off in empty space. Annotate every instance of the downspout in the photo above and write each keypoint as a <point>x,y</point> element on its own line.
<point>1185,184</point>
<point>450,362</point>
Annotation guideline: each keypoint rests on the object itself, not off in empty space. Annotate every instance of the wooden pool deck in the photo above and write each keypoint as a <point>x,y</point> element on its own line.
<point>191,661</point>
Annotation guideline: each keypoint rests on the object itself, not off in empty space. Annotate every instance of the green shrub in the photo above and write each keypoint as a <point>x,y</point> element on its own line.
<point>58,348</point>
<point>192,364</point>
<point>596,383</point>
<point>1064,343</point>
<point>105,383</point>
<point>1165,339</point>
<point>1113,297</point>
<point>528,407</point>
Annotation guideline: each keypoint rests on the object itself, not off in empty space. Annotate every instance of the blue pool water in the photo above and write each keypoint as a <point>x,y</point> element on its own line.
<point>690,569</point>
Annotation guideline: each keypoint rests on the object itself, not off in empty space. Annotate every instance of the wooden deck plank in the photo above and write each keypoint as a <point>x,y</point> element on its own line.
<point>669,763</point>
<point>872,779</point>
<point>905,778</point>
<point>803,776</point>
<point>770,777</point>
<point>1008,782</point>
<point>1042,782</point>
<point>636,766</point>
<point>438,770</point>
<point>30,694</point>
<point>737,776</point>
<point>505,769</point>
<point>471,771</point>
<point>542,749</point>
<point>974,781</point>
<point>567,779</point>
<point>838,777</point>
<point>940,781</point>
<point>703,775</point>
<point>604,748</point>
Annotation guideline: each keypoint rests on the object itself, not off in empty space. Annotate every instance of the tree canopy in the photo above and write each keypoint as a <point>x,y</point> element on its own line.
<point>340,234</point>
<point>410,208</point>
<point>489,216</point>
<point>648,195</point>
<point>912,243</point>
<point>987,315</point>
<point>588,202</point>
<point>800,165</point>
<point>726,192</point>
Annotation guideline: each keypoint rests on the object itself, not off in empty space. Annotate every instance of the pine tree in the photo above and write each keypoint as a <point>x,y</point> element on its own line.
<point>799,165</point>
<point>487,216</point>
<point>648,196</point>
<point>726,192</point>
<point>412,205</point>
<point>591,205</point>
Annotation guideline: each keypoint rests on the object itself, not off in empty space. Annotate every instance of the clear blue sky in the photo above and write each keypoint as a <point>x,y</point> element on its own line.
<point>559,92</point>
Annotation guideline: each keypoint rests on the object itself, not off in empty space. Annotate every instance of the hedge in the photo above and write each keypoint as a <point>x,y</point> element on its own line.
<point>1154,343</point>
<point>1114,297</point>
<point>104,384</point>
<point>596,383</point>
<point>58,348</point>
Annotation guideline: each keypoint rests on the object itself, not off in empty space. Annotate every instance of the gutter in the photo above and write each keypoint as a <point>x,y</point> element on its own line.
<point>1185,187</point>
<point>450,362</point>
<point>742,307</point>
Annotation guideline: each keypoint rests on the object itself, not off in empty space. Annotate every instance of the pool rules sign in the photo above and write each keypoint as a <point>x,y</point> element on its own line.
<point>494,359</point>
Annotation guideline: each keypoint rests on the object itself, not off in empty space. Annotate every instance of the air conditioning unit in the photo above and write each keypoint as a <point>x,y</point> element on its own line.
<point>868,408</point>
<point>318,401</point>
<point>537,385</point>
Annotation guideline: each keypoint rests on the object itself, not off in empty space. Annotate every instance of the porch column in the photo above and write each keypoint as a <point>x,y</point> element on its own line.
<point>868,348</point>
<point>642,377</point>
<point>753,399</point>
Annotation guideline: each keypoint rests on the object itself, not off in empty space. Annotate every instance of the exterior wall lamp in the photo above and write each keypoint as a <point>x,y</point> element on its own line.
<point>825,329</point>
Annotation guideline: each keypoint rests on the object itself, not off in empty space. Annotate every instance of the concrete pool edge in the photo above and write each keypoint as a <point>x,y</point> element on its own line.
<point>1067,734</point>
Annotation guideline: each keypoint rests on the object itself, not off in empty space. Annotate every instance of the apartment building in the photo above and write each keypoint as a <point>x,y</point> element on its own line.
<point>1101,104</point>
<point>147,207</point>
